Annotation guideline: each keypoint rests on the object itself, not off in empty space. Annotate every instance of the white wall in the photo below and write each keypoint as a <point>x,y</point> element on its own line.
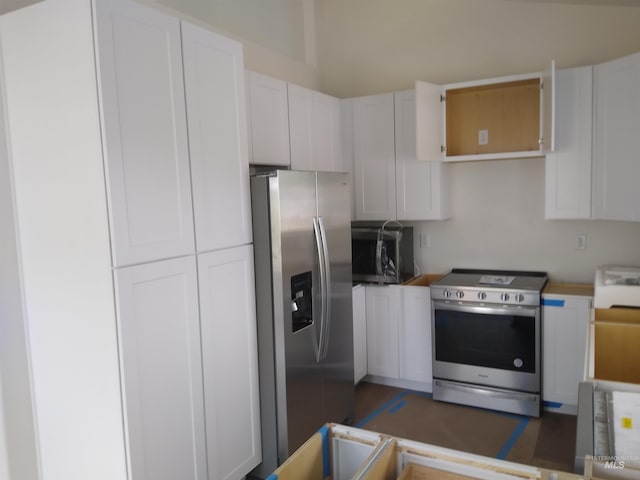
<point>498,222</point>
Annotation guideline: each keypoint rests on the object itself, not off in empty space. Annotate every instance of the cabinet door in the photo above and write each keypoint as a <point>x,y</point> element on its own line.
<point>568,167</point>
<point>301,127</point>
<point>314,130</point>
<point>429,121</point>
<point>564,338</point>
<point>269,118</point>
<point>415,335</point>
<point>145,132</point>
<point>161,369</point>
<point>616,169</point>
<point>383,311</point>
<point>548,109</point>
<point>230,361</point>
<point>374,157</point>
<point>327,134</point>
<point>215,92</point>
<point>421,186</point>
<point>359,333</point>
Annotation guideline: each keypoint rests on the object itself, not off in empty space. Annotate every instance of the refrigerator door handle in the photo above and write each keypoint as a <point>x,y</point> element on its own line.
<point>327,290</point>
<point>317,233</point>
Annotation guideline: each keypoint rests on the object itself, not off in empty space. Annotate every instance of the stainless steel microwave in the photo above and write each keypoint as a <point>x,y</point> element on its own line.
<point>382,255</point>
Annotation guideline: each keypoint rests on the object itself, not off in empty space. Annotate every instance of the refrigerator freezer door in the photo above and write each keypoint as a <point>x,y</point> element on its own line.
<point>335,214</point>
<point>299,378</point>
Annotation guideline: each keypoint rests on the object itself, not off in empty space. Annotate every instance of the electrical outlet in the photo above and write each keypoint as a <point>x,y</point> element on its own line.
<point>483,137</point>
<point>425,240</point>
<point>581,241</point>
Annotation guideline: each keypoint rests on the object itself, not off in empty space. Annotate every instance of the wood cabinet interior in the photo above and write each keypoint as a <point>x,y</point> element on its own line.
<point>494,118</point>
<point>617,336</point>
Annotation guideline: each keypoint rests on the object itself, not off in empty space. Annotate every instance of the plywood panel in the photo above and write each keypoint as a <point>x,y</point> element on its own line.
<point>509,114</point>
<point>617,336</point>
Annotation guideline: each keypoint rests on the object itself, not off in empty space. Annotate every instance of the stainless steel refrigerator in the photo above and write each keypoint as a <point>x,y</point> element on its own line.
<point>302,243</point>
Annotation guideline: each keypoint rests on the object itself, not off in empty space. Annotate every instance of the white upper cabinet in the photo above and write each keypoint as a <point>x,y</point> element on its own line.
<point>374,157</point>
<point>216,110</point>
<point>268,120</point>
<point>314,130</point>
<point>505,117</point>
<point>421,186</point>
<point>616,169</point>
<point>390,182</point>
<point>568,167</point>
<point>162,369</point>
<point>145,132</point>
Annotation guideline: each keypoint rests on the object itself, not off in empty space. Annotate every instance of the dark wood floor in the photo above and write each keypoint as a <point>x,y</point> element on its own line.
<point>547,442</point>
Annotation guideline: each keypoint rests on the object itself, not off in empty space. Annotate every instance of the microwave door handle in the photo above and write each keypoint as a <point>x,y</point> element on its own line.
<point>326,294</point>
<point>379,244</point>
<point>321,268</point>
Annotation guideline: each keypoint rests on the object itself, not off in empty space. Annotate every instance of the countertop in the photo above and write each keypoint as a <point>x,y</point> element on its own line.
<point>559,288</point>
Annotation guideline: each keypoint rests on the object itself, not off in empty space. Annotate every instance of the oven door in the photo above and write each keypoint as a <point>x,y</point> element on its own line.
<point>495,346</point>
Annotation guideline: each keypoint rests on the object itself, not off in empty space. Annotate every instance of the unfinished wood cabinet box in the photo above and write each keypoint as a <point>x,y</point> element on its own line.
<point>494,118</point>
<point>334,452</point>
<point>338,452</point>
<point>616,352</point>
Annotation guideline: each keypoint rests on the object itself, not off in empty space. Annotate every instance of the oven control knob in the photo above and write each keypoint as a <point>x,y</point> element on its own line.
<point>446,293</point>
<point>504,297</point>
<point>459,294</point>
<point>519,298</point>
<point>482,295</point>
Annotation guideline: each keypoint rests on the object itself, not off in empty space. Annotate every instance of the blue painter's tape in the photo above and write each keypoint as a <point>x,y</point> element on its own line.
<point>273,476</point>
<point>398,406</point>
<point>511,441</point>
<point>326,457</point>
<point>552,404</point>
<point>552,302</point>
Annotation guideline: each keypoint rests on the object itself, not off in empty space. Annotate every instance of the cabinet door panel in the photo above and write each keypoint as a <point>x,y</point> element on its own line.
<point>269,120</point>
<point>568,167</point>
<point>565,324</point>
<point>429,121</point>
<point>374,157</point>
<point>617,127</point>
<point>215,93</point>
<point>161,369</point>
<point>359,333</point>
<point>421,186</point>
<point>326,133</point>
<point>383,310</point>
<point>301,127</point>
<point>145,134</point>
<point>415,335</point>
<point>230,361</point>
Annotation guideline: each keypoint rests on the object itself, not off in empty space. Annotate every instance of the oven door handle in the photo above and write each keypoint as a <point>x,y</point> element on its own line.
<point>493,393</point>
<point>497,310</point>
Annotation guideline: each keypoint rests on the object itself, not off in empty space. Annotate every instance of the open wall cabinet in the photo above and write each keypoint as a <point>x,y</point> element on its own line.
<point>506,117</point>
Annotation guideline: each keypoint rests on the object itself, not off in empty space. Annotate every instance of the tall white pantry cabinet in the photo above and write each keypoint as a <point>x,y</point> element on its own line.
<point>129,266</point>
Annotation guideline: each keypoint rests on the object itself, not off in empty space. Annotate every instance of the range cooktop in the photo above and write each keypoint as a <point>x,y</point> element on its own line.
<point>490,286</point>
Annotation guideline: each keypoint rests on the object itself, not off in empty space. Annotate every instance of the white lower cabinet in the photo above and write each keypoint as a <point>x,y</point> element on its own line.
<point>398,330</point>
<point>229,361</point>
<point>162,369</point>
<point>565,322</point>
<point>383,316</point>
<point>189,363</point>
<point>415,334</point>
<point>359,333</point>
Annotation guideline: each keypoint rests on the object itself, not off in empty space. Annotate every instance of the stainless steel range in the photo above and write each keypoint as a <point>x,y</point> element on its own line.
<point>486,333</point>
